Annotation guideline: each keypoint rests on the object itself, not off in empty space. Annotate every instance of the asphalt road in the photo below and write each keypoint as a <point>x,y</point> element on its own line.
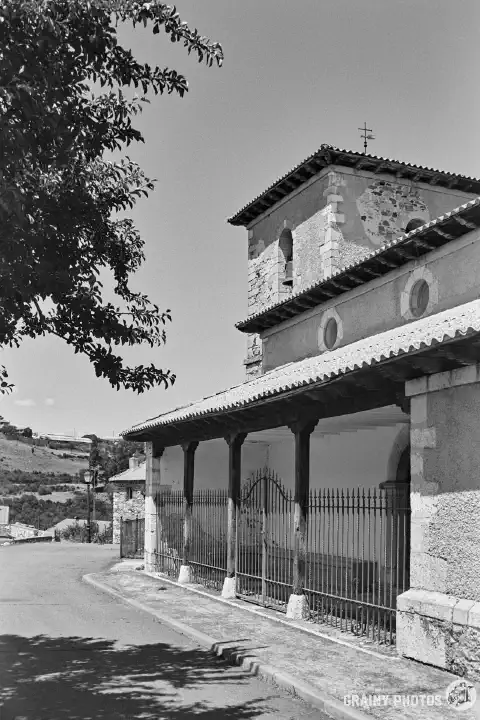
<point>68,651</point>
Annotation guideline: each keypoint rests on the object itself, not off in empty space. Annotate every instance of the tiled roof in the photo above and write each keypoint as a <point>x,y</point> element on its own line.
<point>329,155</point>
<point>131,474</point>
<point>424,333</point>
<point>380,261</point>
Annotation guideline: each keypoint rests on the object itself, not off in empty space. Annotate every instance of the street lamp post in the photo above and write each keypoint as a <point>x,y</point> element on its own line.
<point>87,479</point>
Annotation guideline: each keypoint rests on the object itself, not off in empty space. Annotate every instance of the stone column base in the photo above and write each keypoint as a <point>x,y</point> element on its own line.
<point>440,630</point>
<point>185,575</point>
<point>297,608</point>
<point>149,561</point>
<point>229,588</point>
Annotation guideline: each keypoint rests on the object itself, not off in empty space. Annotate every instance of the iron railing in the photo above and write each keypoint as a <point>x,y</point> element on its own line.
<point>264,541</point>
<point>358,559</point>
<point>132,537</point>
<point>208,554</point>
<point>169,535</point>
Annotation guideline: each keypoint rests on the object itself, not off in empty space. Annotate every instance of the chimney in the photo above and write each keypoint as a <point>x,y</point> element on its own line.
<point>133,462</point>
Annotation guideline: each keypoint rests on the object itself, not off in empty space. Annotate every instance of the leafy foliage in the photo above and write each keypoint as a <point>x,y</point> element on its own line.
<point>79,533</point>
<point>63,106</point>
<point>46,513</point>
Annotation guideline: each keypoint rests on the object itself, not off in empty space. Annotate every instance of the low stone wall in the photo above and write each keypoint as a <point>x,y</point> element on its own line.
<point>440,630</point>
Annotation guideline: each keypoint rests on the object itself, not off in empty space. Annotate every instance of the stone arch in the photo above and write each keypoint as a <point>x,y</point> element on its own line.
<point>400,444</point>
<point>285,257</point>
<point>397,485</point>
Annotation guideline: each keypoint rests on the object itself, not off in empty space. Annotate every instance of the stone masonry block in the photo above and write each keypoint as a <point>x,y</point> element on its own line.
<point>419,410</point>
<point>474,616</point>
<point>461,611</point>
<point>439,381</point>
<point>428,572</point>
<point>421,638</point>
<point>423,437</point>
<point>465,375</point>
<point>416,386</point>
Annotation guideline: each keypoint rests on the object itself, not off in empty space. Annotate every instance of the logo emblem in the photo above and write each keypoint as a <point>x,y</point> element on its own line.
<point>461,694</point>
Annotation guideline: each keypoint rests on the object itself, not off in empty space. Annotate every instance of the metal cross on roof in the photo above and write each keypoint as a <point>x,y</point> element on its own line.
<point>366,134</point>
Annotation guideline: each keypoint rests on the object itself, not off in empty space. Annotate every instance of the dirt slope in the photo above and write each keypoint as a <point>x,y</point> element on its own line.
<point>15,455</point>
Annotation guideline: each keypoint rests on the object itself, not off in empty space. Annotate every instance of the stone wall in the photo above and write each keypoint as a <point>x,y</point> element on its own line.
<point>127,509</point>
<point>336,219</point>
<point>439,617</point>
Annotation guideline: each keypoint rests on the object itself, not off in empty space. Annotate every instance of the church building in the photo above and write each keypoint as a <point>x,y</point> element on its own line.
<point>339,483</point>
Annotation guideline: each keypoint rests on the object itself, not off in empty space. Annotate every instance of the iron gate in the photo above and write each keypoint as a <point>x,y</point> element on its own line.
<point>264,541</point>
<point>132,537</point>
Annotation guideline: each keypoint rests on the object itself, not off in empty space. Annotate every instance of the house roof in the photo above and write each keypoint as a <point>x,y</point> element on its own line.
<point>68,522</point>
<point>329,155</point>
<point>409,339</point>
<point>379,262</point>
<point>136,474</point>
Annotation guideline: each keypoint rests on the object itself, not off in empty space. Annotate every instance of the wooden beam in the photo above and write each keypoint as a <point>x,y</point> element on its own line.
<point>403,253</point>
<point>464,223</point>
<point>442,234</point>
<point>343,288</point>
<point>384,261</point>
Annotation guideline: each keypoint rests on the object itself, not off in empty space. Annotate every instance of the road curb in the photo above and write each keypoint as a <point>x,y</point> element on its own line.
<point>251,664</point>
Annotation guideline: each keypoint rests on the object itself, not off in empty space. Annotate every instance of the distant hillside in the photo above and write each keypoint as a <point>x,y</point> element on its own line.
<point>15,455</point>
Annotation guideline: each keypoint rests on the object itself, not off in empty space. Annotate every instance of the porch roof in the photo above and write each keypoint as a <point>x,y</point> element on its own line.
<point>365,374</point>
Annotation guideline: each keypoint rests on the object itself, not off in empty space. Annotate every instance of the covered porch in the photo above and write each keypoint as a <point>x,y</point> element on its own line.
<point>333,553</point>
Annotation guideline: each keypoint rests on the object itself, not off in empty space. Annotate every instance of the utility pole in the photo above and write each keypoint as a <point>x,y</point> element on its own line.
<point>366,134</point>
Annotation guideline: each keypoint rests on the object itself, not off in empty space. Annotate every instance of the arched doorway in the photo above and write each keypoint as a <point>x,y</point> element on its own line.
<point>401,521</point>
<point>397,498</point>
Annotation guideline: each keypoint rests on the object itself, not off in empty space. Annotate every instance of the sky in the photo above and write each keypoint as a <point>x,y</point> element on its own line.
<point>297,74</point>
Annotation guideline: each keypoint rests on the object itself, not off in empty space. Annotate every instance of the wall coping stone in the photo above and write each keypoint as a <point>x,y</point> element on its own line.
<point>439,606</point>
<point>441,381</point>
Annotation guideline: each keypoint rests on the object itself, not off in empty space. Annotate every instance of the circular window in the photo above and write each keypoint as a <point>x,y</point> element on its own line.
<point>419,298</point>
<point>330,333</point>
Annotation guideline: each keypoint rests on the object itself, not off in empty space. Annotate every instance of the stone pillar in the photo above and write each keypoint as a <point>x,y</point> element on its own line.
<point>235,442</point>
<point>330,250</point>
<point>438,618</point>
<point>153,452</point>
<point>185,574</point>
<point>297,603</point>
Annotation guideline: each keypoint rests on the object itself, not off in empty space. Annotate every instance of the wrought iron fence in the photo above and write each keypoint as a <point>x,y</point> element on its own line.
<point>169,548</point>
<point>132,537</point>
<point>264,541</point>
<point>208,554</point>
<point>358,559</point>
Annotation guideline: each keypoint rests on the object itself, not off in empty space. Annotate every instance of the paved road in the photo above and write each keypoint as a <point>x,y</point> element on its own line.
<point>70,652</point>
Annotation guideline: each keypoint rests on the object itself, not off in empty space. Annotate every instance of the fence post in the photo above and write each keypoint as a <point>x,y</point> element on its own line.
<point>235,442</point>
<point>185,573</point>
<point>121,536</point>
<point>297,603</point>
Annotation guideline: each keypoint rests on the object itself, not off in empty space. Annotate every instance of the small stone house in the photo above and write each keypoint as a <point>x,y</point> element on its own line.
<point>128,495</point>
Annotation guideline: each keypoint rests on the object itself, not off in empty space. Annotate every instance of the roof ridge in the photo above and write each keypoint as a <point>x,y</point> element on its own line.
<point>240,217</point>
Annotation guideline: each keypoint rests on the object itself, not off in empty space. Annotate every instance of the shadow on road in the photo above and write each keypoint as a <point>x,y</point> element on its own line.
<point>47,678</point>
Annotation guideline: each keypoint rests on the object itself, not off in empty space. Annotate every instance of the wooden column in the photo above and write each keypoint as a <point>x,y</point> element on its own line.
<point>188,476</point>
<point>235,442</point>
<point>302,431</point>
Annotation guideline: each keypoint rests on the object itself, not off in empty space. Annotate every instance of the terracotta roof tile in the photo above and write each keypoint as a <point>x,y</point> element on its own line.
<point>329,155</point>
<point>423,333</point>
